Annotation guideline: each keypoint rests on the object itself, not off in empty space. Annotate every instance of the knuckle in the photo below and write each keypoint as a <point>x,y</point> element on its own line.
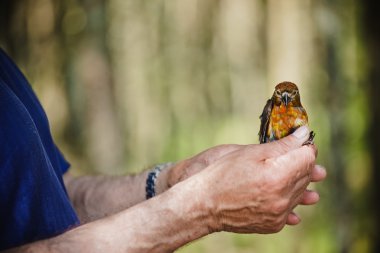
<point>311,155</point>
<point>274,182</point>
<point>271,163</point>
<point>280,207</point>
<point>278,226</point>
<point>307,156</point>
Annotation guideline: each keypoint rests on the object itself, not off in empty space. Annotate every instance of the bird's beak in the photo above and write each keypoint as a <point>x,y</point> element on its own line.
<point>285,98</point>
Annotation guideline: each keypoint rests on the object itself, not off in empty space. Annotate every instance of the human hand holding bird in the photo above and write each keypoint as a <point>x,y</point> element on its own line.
<point>283,114</point>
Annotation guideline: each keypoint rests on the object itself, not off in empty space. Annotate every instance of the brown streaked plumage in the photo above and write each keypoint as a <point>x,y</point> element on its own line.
<point>283,114</point>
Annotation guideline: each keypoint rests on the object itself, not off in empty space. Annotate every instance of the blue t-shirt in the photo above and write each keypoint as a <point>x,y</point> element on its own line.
<point>33,201</point>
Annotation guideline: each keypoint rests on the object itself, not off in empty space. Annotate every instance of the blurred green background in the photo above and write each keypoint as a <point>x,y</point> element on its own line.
<point>130,83</point>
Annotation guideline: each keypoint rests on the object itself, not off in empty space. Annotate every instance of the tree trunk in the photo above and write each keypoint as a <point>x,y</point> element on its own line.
<point>371,20</point>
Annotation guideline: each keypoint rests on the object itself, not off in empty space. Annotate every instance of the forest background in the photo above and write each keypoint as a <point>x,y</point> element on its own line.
<point>127,84</point>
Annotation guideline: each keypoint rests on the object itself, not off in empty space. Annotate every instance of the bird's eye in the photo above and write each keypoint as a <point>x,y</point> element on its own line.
<point>295,92</point>
<point>278,93</point>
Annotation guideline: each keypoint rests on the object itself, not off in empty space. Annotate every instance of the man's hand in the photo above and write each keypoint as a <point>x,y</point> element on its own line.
<point>244,189</point>
<point>254,188</point>
<point>186,168</point>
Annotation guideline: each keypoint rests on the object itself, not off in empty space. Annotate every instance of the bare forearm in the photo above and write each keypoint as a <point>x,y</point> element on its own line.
<point>95,197</point>
<point>157,225</point>
<point>252,189</point>
<point>168,222</point>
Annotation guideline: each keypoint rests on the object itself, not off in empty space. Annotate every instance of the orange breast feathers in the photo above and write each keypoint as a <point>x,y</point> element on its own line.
<point>285,119</point>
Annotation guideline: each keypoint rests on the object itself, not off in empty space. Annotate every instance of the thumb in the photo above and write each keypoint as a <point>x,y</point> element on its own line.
<point>288,143</point>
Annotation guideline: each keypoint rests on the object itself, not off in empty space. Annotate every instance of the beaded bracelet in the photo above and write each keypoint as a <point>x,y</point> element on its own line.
<point>150,188</point>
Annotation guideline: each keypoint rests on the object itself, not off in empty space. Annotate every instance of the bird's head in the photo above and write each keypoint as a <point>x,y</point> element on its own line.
<point>286,93</point>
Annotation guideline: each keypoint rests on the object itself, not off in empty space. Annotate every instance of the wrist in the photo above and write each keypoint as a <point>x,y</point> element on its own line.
<point>194,198</point>
<point>170,220</point>
<point>162,182</point>
<point>157,179</point>
<point>193,217</point>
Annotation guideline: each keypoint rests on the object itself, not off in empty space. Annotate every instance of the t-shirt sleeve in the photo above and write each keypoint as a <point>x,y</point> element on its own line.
<point>33,200</point>
<point>63,163</point>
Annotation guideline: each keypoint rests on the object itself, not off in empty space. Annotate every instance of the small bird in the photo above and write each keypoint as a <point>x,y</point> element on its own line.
<point>283,114</point>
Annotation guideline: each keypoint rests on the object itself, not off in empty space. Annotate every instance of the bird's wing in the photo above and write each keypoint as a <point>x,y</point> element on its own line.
<point>264,117</point>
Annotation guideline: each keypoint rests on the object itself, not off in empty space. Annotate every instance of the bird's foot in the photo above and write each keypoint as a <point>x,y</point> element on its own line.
<point>310,141</point>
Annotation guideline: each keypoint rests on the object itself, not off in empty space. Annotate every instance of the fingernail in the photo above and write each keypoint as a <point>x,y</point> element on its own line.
<point>301,132</point>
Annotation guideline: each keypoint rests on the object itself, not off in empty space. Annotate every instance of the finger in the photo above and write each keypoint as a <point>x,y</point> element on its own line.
<point>309,198</point>
<point>293,165</point>
<point>297,195</point>
<point>318,173</point>
<point>284,145</point>
<point>293,219</point>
